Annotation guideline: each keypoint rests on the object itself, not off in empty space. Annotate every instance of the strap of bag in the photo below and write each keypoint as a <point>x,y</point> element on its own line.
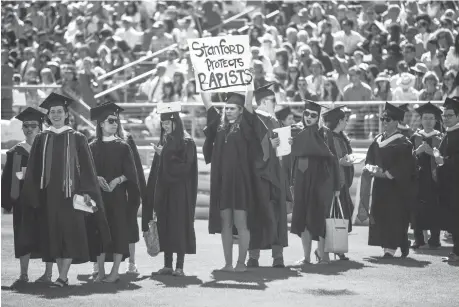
<point>334,202</point>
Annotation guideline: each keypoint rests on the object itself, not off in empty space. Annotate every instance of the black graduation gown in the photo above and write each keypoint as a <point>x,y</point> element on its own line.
<point>66,235</point>
<point>172,192</point>
<point>273,183</point>
<point>133,199</point>
<point>26,223</point>
<point>449,179</point>
<point>316,178</point>
<point>114,159</point>
<point>235,182</point>
<point>343,147</point>
<point>392,199</point>
<point>427,213</point>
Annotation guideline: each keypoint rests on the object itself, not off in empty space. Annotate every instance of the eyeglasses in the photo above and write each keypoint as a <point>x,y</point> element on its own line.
<point>112,121</point>
<point>311,115</point>
<point>33,126</point>
<point>386,119</point>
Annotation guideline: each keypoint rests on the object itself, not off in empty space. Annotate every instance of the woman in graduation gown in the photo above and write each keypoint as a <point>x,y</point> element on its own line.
<point>390,161</point>
<point>316,182</point>
<point>26,223</point>
<point>117,176</point>
<point>336,121</point>
<point>427,210</point>
<point>172,192</point>
<point>61,166</point>
<point>236,198</point>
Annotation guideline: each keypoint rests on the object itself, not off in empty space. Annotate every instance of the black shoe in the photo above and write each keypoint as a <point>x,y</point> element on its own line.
<point>279,263</point>
<point>388,256</point>
<point>342,257</point>
<point>417,245</point>
<point>253,263</point>
<point>434,244</point>
<point>406,249</point>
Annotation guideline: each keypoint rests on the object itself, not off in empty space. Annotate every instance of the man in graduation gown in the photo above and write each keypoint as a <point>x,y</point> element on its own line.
<point>427,213</point>
<point>273,180</point>
<point>26,223</point>
<point>390,161</point>
<point>448,170</point>
<point>61,166</point>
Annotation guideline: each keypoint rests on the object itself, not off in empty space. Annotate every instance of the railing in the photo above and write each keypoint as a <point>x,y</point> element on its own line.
<point>147,57</point>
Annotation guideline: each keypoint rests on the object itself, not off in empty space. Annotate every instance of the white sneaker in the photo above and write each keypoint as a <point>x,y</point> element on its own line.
<point>132,269</point>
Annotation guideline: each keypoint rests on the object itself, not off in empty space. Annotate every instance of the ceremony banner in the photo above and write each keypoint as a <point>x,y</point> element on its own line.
<point>222,64</point>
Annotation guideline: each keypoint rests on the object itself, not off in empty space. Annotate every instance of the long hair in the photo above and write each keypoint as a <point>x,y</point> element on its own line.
<point>224,122</point>
<point>119,130</point>
<point>335,92</point>
<point>178,132</point>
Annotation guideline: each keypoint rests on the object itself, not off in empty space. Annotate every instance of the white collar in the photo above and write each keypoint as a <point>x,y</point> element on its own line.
<point>428,135</point>
<point>109,138</point>
<point>403,127</point>
<point>386,142</point>
<point>455,127</point>
<point>26,146</point>
<point>60,130</point>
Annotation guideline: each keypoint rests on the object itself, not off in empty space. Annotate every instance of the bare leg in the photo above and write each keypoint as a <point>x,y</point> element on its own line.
<point>24,262</point>
<point>227,236</point>
<point>240,221</point>
<point>63,273</point>
<point>325,257</point>
<point>101,270</point>
<point>306,241</point>
<point>132,253</point>
<point>59,265</point>
<point>114,274</point>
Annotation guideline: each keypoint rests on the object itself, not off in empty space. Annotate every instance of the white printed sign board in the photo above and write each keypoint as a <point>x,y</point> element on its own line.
<point>222,63</point>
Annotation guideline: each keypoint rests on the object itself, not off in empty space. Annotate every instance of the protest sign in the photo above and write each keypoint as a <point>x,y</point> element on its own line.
<point>222,64</point>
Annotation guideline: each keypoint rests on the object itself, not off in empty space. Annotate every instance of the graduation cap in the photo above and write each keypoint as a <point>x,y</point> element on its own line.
<point>263,92</point>
<point>311,105</point>
<point>394,112</point>
<point>103,111</point>
<point>430,109</point>
<point>235,98</point>
<point>169,111</point>
<point>404,107</point>
<point>451,103</point>
<point>55,100</point>
<point>334,114</point>
<point>282,112</point>
<point>31,114</point>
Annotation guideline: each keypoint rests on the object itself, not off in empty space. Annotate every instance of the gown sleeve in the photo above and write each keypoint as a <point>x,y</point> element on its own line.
<point>31,188</point>
<point>178,166</point>
<point>130,172</point>
<point>402,165</point>
<point>6,183</point>
<point>334,159</point>
<point>210,132</point>
<point>139,168</point>
<point>147,207</point>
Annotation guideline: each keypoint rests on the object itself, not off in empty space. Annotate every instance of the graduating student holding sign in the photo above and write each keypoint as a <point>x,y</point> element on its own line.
<point>118,182</point>
<point>273,181</point>
<point>316,182</point>
<point>390,161</point>
<point>448,170</point>
<point>172,191</point>
<point>427,210</point>
<point>26,223</point>
<point>236,196</point>
<point>60,167</point>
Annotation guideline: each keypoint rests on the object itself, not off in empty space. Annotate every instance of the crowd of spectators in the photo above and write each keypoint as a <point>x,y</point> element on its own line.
<point>318,50</point>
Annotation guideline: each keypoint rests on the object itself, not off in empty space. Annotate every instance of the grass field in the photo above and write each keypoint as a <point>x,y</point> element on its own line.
<point>366,280</point>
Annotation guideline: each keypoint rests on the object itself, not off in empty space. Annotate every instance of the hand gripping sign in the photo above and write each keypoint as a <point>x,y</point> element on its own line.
<point>222,64</point>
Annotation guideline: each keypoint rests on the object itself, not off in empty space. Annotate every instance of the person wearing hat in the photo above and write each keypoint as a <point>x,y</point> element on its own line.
<point>26,222</point>
<point>336,120</point>
<point>427,210</point>
<point>314,187</point>
<point>232,144</point>
<point>273,179</point>
<point>62,167</point>
<point>118,182</point>
<point>447,159</point>
<point>391,163</point>
<point>405,90</point>
<point>172,191</point>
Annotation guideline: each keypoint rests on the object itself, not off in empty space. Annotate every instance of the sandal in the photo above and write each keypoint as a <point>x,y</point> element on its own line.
<point>44,279</point>
<point>60,283</point>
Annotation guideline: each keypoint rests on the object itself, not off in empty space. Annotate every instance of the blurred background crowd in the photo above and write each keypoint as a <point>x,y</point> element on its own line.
<point>318,50</point>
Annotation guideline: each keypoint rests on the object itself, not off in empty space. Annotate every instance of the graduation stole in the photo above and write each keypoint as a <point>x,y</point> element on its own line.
<point>22,149</point>
<point>70,162</point>
<point>389,140</point>
<point>268,133</point>
<point>433,139</point>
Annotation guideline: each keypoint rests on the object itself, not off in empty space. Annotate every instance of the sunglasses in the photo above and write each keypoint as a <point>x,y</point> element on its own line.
<point>311,115</point>
<point>112,121</point>
<point>386,119</point>
<point>33,126</point>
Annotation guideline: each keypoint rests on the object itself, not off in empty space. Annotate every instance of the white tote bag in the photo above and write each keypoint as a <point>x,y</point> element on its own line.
<point>336,236</point>
<point>152,238</point>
